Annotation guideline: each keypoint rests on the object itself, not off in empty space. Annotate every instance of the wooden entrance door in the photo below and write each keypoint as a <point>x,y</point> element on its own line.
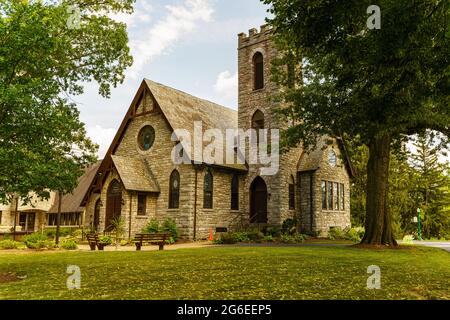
<point>258,201</point>
<point>113,203</point>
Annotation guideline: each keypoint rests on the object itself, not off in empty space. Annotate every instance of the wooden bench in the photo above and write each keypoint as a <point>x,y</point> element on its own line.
<point>94,242</point>
<point>151,238</point>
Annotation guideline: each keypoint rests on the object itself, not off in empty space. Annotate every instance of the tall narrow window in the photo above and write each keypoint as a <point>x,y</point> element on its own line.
<point>258,70</point>
<point>174,192</point>
<point>324,195</point>
<point>208,190</point>
<point>291,193</point>
<point>330,195</point>
<point>142,204</point>
<point>336,196</point>
<point>342,197</point>
<point>235,192</point>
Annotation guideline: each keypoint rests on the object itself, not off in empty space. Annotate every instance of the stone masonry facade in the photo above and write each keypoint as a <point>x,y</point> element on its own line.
<point>305,169</point>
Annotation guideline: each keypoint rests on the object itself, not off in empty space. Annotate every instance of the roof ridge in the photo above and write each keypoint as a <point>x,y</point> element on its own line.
<point>190,95</point>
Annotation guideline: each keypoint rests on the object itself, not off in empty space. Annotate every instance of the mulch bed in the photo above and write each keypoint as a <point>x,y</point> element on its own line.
<point>9,277</point>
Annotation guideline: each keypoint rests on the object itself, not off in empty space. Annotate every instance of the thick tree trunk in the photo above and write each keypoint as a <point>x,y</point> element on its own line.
<point>378,218</point>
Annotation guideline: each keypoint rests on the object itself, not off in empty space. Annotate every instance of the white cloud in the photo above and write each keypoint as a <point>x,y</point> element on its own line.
<point>180,20</point>
<point>103,137</point>
<point>226,85</point>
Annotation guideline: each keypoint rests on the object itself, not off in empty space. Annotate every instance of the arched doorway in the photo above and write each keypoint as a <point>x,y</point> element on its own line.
<point>258,201</point>
<point>113,203</point>
<point>96,221</point>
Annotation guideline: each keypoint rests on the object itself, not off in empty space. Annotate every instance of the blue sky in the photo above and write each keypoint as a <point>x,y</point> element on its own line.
<point>190,45</point>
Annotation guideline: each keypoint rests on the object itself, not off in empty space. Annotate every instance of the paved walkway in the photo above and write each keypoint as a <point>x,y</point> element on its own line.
<point>438,244</point>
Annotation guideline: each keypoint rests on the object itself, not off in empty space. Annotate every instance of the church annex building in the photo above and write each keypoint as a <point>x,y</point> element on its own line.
<point>138,180</point>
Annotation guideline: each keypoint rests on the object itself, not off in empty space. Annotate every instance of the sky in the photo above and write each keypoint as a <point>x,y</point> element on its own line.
<point>190,45</point>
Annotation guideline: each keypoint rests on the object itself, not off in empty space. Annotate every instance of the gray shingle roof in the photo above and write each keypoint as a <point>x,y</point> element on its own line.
<point>135,174</point>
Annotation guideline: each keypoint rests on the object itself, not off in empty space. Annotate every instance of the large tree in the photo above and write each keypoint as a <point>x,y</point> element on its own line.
<point>368,86</point>
<point>48,51</point>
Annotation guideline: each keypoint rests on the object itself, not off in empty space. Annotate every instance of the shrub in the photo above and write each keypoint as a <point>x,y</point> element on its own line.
<point>255,236</point>
<point>240,236</point>
<point>268,238</point>
<point>227,238</point>
<point>293,239</point>
<point>152,227</point>
<point>336,234</point>
<point>355,234</point>
<point>105,240</point>
<point>9,244</point>
<point>124,243</point>
<point>38,241</point>
<point>274,232</point>
<point>289,226</point>
<point>69,245</point>
<point>63,232</point>
<point>170,226</point>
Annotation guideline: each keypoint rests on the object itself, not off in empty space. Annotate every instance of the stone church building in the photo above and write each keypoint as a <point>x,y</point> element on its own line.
<point>138,180</point>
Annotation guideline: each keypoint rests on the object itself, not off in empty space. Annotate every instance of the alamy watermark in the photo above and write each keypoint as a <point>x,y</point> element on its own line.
<point>374,281</point>
<point>232,147</point>
<point>74,279</point>
<point>374,21</point>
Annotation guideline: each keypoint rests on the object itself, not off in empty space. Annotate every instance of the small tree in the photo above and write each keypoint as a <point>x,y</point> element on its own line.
<point>118,225</point>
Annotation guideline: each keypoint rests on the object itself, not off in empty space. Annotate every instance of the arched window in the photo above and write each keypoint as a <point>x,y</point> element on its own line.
<point>258,120</point>
<point>174,190</point>
<point>258,70</point>
<point>258,123</point>
<point>235,192</point>
<point>291,193</point>
<point>208,187</point>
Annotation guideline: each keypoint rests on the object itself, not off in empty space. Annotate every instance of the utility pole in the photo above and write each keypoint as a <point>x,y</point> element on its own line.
<point>419,225</point>
<point>58,218</point>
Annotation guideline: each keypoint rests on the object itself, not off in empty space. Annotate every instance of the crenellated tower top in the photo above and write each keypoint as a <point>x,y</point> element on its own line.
<point>254,36</point>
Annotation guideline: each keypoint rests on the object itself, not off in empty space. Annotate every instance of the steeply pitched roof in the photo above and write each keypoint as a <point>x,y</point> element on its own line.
<point>135,174</point>
<point>312,161</point>
<point>71,202</point>
<point>182,109</point>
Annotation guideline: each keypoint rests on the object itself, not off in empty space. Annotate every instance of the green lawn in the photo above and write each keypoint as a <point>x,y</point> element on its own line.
<point>231,273</point>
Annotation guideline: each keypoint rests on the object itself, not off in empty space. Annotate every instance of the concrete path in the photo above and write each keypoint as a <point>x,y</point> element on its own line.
<point>190,245</point>
<point>438,244</point>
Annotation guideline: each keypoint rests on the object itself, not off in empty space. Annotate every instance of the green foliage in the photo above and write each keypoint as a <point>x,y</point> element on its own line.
<point>274,231</point>
<point>105,240</point>
<point>152,226</point>
<point>124,243</point>
<point>289,226</point>
<point>352,234</point>
<point>367,87</point>
<point>9,244</point>
<point>227,238</point>
<point>43,144</point>
<point>294,238</point>
<point>38,241</point>
<point>63,232</point>
<point>69,245</point>
<point>168,226</point>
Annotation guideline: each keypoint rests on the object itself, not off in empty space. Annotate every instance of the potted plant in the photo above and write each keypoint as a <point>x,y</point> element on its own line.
<point>104,241</point>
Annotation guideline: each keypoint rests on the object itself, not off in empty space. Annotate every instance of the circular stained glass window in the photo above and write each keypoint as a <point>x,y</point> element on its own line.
<point>146,138</point>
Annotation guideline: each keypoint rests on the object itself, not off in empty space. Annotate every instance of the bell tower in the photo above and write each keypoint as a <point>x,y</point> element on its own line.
<point>255,56</point>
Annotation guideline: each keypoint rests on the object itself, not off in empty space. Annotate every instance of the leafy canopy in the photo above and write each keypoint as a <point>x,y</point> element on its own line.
<point>48,50</point>
<point>358,82</point>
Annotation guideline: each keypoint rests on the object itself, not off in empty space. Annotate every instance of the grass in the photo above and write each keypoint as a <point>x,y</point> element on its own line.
<point>231,273</point>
